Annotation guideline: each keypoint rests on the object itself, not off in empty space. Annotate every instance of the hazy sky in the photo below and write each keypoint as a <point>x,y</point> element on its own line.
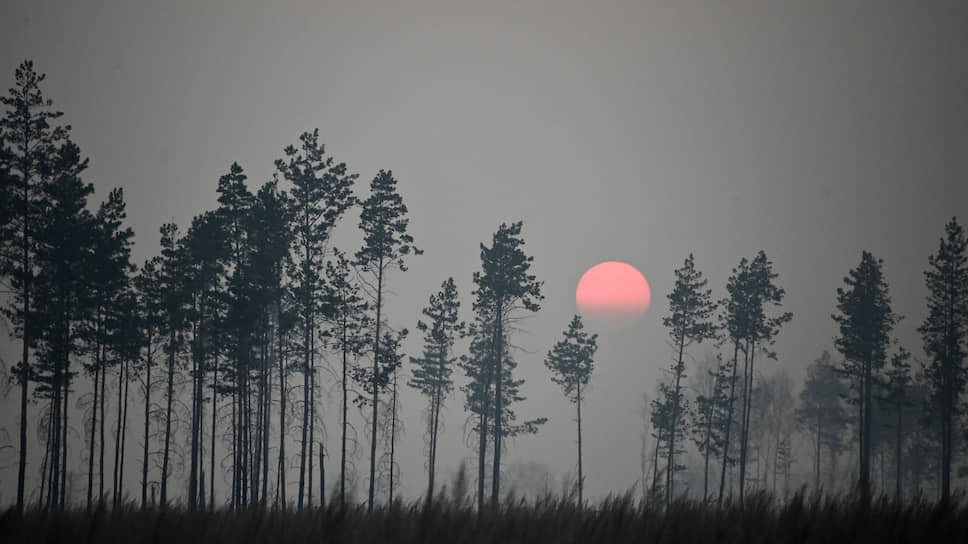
<point>633,131</point>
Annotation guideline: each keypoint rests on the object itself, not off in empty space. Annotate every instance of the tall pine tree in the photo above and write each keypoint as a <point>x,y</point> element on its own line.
<point>31,141</point>
<point>571,361</point>
<point>944,331</point>
<point>321,192</point>
<point>865,320</point>
<point>504,286</point>
<point>691,308</point>
<point>432,372</point>
<point>385,244</point>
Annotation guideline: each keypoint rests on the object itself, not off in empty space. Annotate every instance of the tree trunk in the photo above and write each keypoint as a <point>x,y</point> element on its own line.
<point>312,428</point>
<point>104,392</point>
<point>946,416</point>
<point>90,458</point>
<point>865,471</point>
<point>282,416</point>
<point>671,468</point>
<point>211,470</point>
<point>196,406</point>
<point>307,347</point>
<point>171,384</point>
<point>115,492</point>
<point>27,276</point>
<point>729,424</point>
<point>342,460</point>
<point>482,435</point>
<point>47,449</point>
<point>256,459</point>
<point>376,388</point>
<point>655,461</point>
<point>747,408</point>
<point>64,427</point>
<point>235,448</point>
<point>124,431</point>
<point>498,408</point>
<point>897,454</point>
<point>435,411</point>
<point>705,476</point>
<point>266,414</point>
<point>53,495</point>
<point>393,433</point>
<point>144,459</point>
<point>581,478</point>
<point>322,477</point>
<point>200,501</point>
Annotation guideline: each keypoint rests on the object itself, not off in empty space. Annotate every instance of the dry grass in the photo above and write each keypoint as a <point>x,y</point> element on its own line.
<point>802,519</point>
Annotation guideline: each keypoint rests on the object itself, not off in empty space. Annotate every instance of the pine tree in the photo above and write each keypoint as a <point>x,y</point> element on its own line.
<point>174,309</point>
<point>761,332</point>
<point>235,205</point>
<point>691,308</point>
<point>663,409</point>
<point>125,345</point>
<point>31,144</point>
<point>709,416</point>
<point>865,321</point>
<point>481,388</point>
<point>504,286</point>
<point>270,236</point>
<point>432,372</point>
<point>63,240</point>
<point>944,331</point>
<point>571,362</point>
<point>385,244</point>
<point>321,193</point>
<point>392,361</point>
<point>898,386</point>
<point>348,317</point>
<point>205,253</point>
<point>107,276</point>
<point>821,412</point>
<point>478,367</point>
<point>151,326</point>
<point>735,321</point>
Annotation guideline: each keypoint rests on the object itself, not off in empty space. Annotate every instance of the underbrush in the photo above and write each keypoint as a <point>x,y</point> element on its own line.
<point>801,519</point>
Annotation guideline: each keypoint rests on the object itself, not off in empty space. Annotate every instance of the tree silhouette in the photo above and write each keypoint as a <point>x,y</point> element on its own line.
<point>321,193</point>
<point>350,324</point>
<point>760,331</point>
<point>481,388</point>
<point>432,372</point>
<point>865,321</point>
<point>385,244</point>
<point>944,332</point>
<point>64,244</point>
<point>709,421</point>
<point>821,412</point>
<point>734,319</point>
<point>30,143</point>
<point>504,286</point>
<point>691,308</point>
<point>898,385</point>
<point>571,362</point>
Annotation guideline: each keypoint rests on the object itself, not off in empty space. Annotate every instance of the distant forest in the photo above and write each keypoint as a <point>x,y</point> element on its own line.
<point>221,335</point>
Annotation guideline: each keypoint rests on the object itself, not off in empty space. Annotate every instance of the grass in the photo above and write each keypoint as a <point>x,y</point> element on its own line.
<point>802,519</point>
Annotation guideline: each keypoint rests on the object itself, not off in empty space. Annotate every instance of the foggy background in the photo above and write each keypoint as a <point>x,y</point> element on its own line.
<point>632,131</point>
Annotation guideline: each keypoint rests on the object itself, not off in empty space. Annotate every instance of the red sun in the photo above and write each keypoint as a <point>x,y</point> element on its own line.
<point>613,290</point>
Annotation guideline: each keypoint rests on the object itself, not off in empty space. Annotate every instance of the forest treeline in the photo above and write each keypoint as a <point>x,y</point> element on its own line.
<point>223,332</point>
<point>905,415</point>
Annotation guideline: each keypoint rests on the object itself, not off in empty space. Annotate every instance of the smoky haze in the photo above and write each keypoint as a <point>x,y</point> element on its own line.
<point>628,131</point>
